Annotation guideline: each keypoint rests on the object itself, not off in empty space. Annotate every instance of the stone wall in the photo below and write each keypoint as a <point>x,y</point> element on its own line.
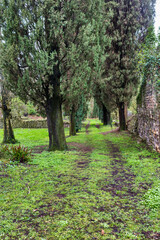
<point>19,123</point>
<point>149,116</point>
<point>132,124</point>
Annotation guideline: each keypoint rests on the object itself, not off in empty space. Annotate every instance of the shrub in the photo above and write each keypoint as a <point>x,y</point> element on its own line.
<point>18,107</point>
<point>31,109</point>
<point>20,154</point>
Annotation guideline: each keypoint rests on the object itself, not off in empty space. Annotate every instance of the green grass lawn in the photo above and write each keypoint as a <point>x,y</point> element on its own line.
<point>103,187</point>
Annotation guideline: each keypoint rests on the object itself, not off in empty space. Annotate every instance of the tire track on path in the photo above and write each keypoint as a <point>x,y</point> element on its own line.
<point>126,209</point>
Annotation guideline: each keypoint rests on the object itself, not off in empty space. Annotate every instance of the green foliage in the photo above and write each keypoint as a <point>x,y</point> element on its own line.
<point>152,198</point>
<point>149,64</point>
<point>31,109</point>
<point>18,107</point>
<point>141,94</point>
<point>81,113</point>
<point>20,154</point>
<point>126,31</point>
<point>53,52</point>
<point>16,154</point>
<point>95,112</point>
<point>48,40</point>
<point>133,105</point>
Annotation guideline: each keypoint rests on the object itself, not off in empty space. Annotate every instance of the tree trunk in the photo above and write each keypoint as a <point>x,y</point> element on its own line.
<point>57,139</point>
<point>106,116</point>
<point>8,131</point>
<point>72,127</point>
<point>122,119</point>
<point>126,111</point>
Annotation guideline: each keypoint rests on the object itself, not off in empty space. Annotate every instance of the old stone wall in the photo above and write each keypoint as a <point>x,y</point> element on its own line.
<point>19,123</point>
<point>132,124</point>
<point>149,116</point>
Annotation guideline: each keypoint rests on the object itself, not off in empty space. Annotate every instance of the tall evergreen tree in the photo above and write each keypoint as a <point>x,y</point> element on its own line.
<point>7,125</point>
<point>6,110</point>
<point>81,113</point>
<point>129,23</point>
<point>88,60</point>
<point>41,42</point>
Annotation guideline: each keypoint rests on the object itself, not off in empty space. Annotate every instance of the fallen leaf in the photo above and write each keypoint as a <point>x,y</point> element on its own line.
<point>102,232</point>
<point>35,210</point>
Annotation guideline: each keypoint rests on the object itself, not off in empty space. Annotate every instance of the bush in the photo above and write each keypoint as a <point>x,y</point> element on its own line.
<point>20,154</point>
<point>31,109</point>
<point>18,107</point>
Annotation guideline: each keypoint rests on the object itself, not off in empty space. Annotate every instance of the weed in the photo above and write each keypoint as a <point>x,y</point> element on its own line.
<point>20,154</point>
<point>152,199</point>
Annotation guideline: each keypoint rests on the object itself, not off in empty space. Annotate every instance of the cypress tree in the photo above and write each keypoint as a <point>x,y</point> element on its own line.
<point>130,20</point>
<point>41,42</point>
<point>6,110</point>
<point>87,58</point>
<point>81,113</point>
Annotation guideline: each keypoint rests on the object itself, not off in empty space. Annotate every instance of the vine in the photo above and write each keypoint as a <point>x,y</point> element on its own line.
<point>149,64</point>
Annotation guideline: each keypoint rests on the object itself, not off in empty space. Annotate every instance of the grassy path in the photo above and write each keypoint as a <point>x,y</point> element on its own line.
<point>93,191</point>
<point>127,214</point>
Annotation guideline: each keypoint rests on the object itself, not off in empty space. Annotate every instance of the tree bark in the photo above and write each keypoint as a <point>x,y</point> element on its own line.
<point>122,118</point>
<point>72,127</point>
<point>57,139</point>
<point>106,116</point>
<point>7,126</point>
<point>126,111</point>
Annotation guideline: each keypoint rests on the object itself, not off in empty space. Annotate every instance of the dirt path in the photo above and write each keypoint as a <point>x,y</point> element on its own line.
<point>125,208</point>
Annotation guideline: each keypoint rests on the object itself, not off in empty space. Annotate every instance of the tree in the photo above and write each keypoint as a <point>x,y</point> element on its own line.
<point>77,84</point>
<point>6,110</point>
<point>129,23</point>
<point>99,87</point>
<point>77,111</point>
<point>77,115</point>
<point>104,102</point>
<point>81,113</point>
<point>41,42</point>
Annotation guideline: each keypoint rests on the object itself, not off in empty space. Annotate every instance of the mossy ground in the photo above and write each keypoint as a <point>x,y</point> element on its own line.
<point>98,189</point>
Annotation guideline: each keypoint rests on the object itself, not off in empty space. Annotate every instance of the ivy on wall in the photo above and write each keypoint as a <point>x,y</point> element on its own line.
<point>149,64</point>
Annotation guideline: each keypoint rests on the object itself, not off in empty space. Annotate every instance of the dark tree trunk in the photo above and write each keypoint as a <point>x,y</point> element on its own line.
<point>8,131</point>
<point>126,111</point>
<point>72,127</point>
<point>106,116</point>
<point>57,139</point>
<point>122,117</point>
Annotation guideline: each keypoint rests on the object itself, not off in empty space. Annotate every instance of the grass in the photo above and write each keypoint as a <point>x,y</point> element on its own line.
<point>104,187</point>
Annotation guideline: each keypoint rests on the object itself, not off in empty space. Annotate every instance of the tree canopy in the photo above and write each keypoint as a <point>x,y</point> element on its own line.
<point>129,25</point>
<point>46,48</point>
<point>54,52</point>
